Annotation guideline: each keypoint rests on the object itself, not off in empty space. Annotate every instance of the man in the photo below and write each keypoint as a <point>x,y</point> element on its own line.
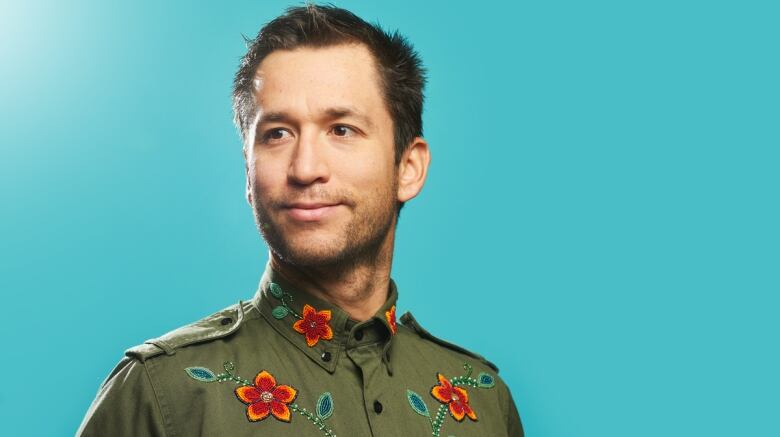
<point>329,108</point>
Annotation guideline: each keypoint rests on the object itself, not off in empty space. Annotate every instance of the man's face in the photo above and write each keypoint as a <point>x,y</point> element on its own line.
<point>321,175</point>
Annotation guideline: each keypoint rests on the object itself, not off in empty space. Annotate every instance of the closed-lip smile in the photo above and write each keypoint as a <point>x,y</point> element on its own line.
<point>309,205</point>
<point>310,211</point>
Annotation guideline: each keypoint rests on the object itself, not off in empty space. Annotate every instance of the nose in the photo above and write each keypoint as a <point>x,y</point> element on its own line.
<point>309,164</point>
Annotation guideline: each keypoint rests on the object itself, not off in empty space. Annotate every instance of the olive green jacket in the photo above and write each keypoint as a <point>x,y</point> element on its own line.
<point>288,364</point>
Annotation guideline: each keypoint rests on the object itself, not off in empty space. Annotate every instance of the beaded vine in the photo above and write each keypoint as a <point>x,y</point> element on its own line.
<point>452,395</point>
<point>264,397</point>
<point>312,324</point>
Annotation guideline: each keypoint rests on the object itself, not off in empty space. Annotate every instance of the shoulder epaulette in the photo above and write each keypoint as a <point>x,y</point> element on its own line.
<point>217,325</point>
<point>408,320</point>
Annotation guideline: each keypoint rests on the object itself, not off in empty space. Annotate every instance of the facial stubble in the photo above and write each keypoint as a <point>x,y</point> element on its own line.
<point>359,241</point>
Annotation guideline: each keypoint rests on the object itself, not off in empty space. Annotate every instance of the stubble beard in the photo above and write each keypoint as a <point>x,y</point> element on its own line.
<point>358,242</point>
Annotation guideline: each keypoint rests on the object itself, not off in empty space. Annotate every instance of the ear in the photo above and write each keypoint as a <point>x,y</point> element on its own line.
<point>413,169</point>
<point>248,185</point>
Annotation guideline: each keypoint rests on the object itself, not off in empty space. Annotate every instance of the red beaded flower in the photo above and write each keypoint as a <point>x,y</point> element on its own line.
<point>390,316</point>
<point>314,325</point>
<point>266,397</point>
<point>456,398</point>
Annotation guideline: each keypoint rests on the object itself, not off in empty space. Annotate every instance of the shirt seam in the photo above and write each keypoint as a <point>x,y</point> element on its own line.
<point>167,423</point>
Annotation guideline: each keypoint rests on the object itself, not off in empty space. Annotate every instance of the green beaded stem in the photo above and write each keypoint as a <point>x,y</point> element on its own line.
<point>438,422</point>
<point>229,376</point>
<point>286,306</point>
<point>466,379</point>
<point>313,419</point>
<point>461,381</point>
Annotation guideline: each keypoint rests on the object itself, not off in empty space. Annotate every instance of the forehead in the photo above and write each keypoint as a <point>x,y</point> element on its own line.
<point>312,78</point>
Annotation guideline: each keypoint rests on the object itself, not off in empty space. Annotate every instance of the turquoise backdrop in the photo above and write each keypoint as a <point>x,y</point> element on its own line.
<point>600,220</point>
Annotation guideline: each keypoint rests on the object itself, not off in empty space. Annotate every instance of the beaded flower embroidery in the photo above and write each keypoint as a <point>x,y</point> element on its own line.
<point>390,316</point>
<point>313,324</point>
<point>264,397</point>
<point>457,398</point>
<point>452,396</point>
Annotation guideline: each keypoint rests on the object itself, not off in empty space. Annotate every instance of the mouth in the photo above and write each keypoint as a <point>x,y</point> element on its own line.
<point>310,211</point>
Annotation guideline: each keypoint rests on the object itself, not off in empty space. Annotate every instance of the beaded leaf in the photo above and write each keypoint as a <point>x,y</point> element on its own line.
<point>417,404</point>
<point>275,289</point>
<point>325,406</point>
<point>485,381</point>
<point>279,312</point>
<point>201,374</point>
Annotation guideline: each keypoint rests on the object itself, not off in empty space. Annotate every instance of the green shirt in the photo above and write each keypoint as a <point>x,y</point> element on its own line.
<point>288,364</point>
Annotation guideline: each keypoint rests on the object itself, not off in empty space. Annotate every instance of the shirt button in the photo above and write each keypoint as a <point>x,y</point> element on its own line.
<point>358,335</point>
<point>325,356</point>
<point>377,407</point>
<point>226,321</point>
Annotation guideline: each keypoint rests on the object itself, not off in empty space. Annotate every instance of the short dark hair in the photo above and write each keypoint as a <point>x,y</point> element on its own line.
<point>402,76</point>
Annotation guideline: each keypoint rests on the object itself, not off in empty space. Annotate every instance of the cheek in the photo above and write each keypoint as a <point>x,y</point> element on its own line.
<point>269,177</point>
<point>365,174</point>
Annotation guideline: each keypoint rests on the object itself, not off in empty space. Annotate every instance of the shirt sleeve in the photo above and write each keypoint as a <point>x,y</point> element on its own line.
<point>125,405</point>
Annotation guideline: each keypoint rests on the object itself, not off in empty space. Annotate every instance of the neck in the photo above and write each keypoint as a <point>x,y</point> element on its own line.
<point>359,288</point>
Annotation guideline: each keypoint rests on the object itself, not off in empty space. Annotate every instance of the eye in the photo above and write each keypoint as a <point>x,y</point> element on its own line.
<point>341,130</point>
<point>274,135</point>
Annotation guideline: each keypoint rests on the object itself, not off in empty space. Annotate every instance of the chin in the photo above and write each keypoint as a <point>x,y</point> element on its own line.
<point>311,252</point>
<point>309,258</point>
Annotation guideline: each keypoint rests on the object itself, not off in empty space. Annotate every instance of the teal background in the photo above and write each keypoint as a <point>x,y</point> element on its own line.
<point>600,219</point>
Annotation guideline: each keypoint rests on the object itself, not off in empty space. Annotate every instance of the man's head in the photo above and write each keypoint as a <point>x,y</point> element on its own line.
<point>330,111</point>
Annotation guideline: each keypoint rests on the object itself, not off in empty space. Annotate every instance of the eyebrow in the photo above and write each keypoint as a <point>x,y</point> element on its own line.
<point>346,111</point>
<point>332,113</point>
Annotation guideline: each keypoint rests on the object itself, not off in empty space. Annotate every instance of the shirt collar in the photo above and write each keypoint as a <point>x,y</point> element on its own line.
<point>290,310</point>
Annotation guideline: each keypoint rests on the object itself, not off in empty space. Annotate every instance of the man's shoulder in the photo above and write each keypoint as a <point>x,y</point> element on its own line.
<point>408,321</point>
<point>217,325</point>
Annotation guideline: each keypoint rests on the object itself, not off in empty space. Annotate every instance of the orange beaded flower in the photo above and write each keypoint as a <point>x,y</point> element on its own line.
<point>314,325</point>
<point>390,316</point>
<point>455,397</point>
<point>265,398</point>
